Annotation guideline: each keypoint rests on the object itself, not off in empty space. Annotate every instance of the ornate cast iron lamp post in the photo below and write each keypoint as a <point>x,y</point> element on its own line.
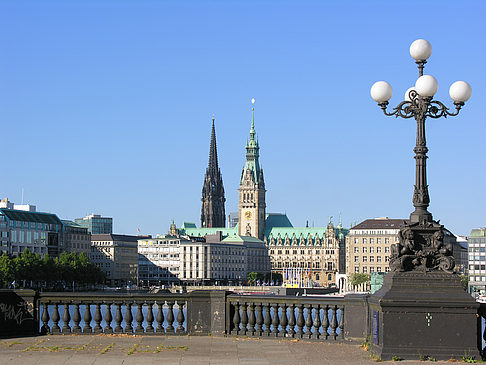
<point>421,245</point>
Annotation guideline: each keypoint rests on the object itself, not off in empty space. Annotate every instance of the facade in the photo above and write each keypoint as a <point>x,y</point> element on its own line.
<point>314,250</point>
<point>96,224</point>
<point>477,261</point>
<point>460,252</point>
<point>117,256</point>
<point>76,238</point>
<point>41,233</point>
<point>252,205</point>
<point>222,261</point>
<point>368,245</point>
<point>212,209</point>
<point>158,260</point>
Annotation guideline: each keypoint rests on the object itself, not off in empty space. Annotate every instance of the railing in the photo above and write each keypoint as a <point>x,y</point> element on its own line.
<point>292,317</point>
<point>155,314</point>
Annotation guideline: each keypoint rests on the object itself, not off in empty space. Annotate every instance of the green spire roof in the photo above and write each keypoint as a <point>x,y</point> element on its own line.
<point>252,153</point>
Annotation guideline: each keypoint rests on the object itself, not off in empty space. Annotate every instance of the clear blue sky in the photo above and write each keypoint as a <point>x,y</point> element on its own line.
<point>105,107</point>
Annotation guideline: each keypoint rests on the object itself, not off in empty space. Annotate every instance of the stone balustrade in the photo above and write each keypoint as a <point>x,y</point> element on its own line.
<point>291,317</point>
<point>85,313</point>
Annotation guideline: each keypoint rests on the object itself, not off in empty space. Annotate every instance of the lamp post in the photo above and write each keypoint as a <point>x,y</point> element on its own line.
<point>421,244</point>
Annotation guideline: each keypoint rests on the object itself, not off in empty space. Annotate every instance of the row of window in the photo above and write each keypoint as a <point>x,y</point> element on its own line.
<point>372,258</point>
<point>371,240</point>
<point>372,249</point>
<point>364,269</point>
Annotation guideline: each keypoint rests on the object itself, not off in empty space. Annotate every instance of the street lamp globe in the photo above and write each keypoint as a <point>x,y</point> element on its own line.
<point>460,91</point>
<point>407,93</point>
<point>381,91</point>
<point>420,50</point>
<point>426,85</point>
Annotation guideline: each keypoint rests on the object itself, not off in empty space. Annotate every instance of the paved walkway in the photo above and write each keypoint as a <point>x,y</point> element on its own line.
<point>180,350</point>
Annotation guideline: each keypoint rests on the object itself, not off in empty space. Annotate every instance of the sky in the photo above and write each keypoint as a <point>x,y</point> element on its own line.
<point>105,107</point>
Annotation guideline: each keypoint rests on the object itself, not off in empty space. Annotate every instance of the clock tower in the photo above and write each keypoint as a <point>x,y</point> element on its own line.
<point>252,190</point>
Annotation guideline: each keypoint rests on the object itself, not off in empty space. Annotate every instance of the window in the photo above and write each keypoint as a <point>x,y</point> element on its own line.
<point>372,258</point>
<point>387,249</point>
<point>378,269</point>
<point>356,240</point>
<point>365,250</point>
<point>356,250</point>
<point>317,276</point>
<point>329,277</point>
<point>372,240</point>
<point>365,269</point>
<point>387,269</point>
<point>356,269</point>
<point>356,258</point>
<point>387,240</point>
<point>387,258</point>
<point>378,258</point>
<point>378,250</point>
<point>365,258</point>
<point>372,269</point>
<point>372,249</point>
<point>364,240</point>
<point>378,240</point>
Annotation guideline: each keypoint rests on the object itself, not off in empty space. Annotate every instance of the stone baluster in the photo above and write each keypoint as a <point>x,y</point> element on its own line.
<point>66,318</point>
<point>341,323</point>
<point>118,319</point>
<point>268,319</point>
<point>283,321</point>
<point>108,319</point>
<point>180,319</point>
<point>251,318</point>
<point>128,319</point>
<point>55,319</point>
<point>325,324</point>
<point>97,318</point>
<point>317,322</point>
<point>300,321</point>
<point>45,319</point>
<point>244,320</point>
<point>139,318</point>
<point>170,318</point>
<point>259,319</point>
<point>150,319</point>
<point>308,322</point>
<point>160,318</point>
<point>87,319</point>
<point>291,331</point>
<point>275,320</point>
<point>333,322</point>
<point>76,319</point>
<point>236,319</point>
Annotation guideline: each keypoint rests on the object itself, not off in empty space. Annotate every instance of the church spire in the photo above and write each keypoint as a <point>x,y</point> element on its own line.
<point>213,152</point>
<point>212,209</point>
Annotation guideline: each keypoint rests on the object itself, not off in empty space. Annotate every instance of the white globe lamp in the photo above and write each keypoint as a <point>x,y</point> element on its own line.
<point>381,91</point>
<point>426,85</point>
<point>420,50</point>
<point>460,91</point>
<point>407,93</point>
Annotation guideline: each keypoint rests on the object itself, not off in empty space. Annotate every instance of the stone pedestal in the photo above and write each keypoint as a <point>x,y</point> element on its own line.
<point>419,314</point>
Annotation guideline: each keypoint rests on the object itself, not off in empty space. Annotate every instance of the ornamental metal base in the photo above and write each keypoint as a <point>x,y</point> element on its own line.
<point>419,315</point>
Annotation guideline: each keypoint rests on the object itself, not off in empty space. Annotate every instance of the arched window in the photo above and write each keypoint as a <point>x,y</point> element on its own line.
<point>317,276</point>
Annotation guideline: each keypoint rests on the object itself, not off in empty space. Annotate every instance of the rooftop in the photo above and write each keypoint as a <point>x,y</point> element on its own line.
<point>381,223</point>
<point>24,216</point>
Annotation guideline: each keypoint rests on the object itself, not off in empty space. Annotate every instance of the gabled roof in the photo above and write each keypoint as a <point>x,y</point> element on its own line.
<point>24,216</point>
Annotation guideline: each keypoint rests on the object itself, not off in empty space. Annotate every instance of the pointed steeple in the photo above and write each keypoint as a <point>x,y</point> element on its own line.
<point>252,151</point>
<point>213,152</point>
<point>212,210</point>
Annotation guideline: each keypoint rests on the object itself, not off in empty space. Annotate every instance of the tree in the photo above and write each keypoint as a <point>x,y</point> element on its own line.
<point>358,279</point>
<point>7,270</point>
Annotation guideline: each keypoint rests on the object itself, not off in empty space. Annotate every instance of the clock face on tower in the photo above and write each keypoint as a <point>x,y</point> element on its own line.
<point>247,214</point>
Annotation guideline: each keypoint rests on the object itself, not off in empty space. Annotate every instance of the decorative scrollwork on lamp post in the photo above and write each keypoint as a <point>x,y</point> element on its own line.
<point>421,246</point>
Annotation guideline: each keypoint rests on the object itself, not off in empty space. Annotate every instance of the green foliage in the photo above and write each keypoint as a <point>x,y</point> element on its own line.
<point>396,358</point>
<point>33,267</point>
<point>464,281</point>
<point>358,279</point>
